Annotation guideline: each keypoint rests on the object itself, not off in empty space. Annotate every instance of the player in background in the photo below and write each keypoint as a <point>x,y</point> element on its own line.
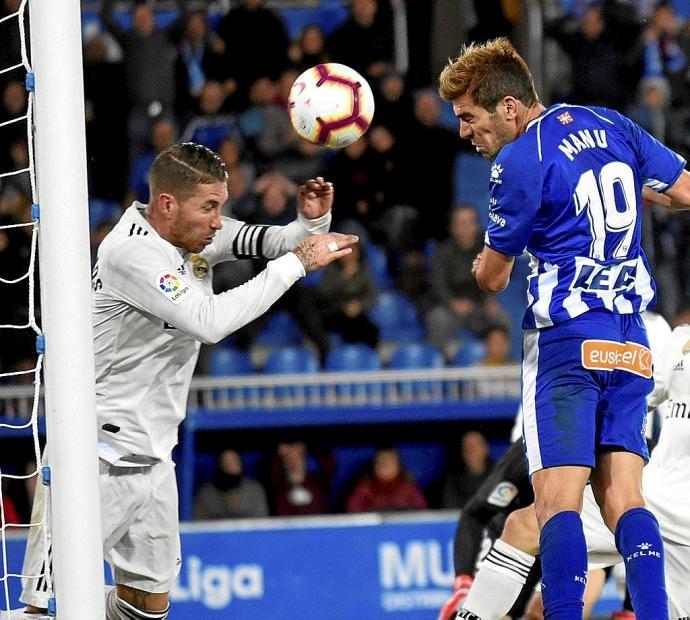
<point>153,304</point>
<point>666,488</point>
<point>567,184</point>
<point>501,576</point>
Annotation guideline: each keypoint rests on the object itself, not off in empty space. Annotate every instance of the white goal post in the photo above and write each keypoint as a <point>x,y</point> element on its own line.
<point>64,262</point>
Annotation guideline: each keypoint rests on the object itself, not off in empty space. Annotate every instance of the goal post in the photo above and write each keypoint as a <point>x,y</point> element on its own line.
<point>64,263</point>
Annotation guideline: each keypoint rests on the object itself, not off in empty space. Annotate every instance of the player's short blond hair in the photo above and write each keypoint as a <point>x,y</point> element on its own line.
<point>488,72</point>
<point>179,168</point>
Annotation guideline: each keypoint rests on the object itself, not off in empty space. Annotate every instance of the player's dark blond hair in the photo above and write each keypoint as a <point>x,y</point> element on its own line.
<point>488,72</point>
<point>178,169</point>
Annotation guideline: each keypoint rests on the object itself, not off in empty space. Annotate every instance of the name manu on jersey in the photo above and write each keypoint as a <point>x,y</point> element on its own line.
<point>574,144</point>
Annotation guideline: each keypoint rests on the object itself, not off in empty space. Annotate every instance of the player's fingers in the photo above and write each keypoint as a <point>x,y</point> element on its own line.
<point>338,241</point>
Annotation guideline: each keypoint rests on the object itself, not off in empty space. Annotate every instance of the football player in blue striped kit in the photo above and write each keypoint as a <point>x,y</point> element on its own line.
<point>566,185</point>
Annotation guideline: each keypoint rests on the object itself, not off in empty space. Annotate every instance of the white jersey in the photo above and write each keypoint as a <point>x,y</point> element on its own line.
<point>666,482</point>
<point>153,304</point>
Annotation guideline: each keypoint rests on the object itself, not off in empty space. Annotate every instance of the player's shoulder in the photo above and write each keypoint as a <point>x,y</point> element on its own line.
<point>131,239</point>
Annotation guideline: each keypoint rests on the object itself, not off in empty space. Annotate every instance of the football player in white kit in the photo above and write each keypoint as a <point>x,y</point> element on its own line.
<point>153,304</point>
<point>666,487</point>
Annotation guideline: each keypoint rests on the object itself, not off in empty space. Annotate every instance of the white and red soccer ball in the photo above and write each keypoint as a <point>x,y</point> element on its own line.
<point>331,105</point>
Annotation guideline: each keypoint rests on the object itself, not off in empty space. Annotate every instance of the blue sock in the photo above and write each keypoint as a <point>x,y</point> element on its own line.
<point>563,551</point>
<point>639,542</point>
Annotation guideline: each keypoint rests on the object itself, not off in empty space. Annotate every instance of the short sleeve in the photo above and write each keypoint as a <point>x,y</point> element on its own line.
<point>515,191</point>
<point>659,166</point>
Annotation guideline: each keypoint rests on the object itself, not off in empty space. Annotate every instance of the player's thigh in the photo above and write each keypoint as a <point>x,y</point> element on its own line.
<point>677,561</point>
<point>623,409</point>
<point>147,557</point>
<point>559,398</point>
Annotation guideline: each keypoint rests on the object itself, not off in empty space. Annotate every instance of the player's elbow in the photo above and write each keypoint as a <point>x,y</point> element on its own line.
<point>491,283</point>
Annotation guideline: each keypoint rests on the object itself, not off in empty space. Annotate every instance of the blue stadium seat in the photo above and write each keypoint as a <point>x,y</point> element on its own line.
<point>425,461</point>
<point>291,360</point>
<point>513,300</point>
<point>469,353</point>
<point>396,318</point>
<point>328,16</point>
<point>353,358</point>
<point>413,355</point>
<point>377,260</point>
<point>351,462</point>
<point>229,362</point>
<point>280,330</point>
<point>472,183</point>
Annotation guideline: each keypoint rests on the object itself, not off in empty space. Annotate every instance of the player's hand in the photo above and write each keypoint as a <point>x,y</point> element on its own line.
<point>318,250</point>
<point>461,588</point>
<point>315,198</point>
<point>475,264</point>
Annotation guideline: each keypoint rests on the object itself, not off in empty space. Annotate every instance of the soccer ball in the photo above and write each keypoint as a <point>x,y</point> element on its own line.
<point>331,105</point>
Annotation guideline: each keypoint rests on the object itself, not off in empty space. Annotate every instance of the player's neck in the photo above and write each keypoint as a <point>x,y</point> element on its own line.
<point>527,116</point>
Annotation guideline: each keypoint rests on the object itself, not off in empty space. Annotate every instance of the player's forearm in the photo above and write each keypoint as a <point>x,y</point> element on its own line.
<point>676,198</point>
<point>218,316</point>
<point>282,239</point>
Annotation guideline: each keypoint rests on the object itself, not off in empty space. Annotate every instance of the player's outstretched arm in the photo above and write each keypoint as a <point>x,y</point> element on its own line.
<point>676,197</point>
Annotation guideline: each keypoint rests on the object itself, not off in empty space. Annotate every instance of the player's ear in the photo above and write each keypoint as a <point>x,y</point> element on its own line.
<point>165,203</point>
<point>510,106</point>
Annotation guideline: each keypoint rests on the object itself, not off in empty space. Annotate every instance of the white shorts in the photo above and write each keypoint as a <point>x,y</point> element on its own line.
<point>602,552</point>
<point>140,525</point>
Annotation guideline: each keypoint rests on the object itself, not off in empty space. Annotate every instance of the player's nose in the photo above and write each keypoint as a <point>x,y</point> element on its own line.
<point>465,130</point>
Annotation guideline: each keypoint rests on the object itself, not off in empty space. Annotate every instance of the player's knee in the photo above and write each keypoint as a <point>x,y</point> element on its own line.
<point>117,608</point>
<point>521,530</point>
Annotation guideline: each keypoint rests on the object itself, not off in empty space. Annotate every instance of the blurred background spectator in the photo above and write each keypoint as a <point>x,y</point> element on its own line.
<point>467,475</point>
<point>388,487</point>
<point>230,494</point>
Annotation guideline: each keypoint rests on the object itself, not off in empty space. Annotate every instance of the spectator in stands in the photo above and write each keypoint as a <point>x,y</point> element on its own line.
<point>346,294</point>
<point>393,105</point>
<point>434,197</point>
<point>372,54</point>
<point>274,143</point>
<point>230,494</point>
<point>309,49</point>
<point>350,170</point>
<point>497,343</point>
<point>256,46</point>
<point>296,487</point>
<point>389,487</point>
<point>664,58</point>
<point>209,126</point>
<point>475,465</point>
<point>650,110</point>
<point>161,137</point>
<point>149,56</point>
<point>459,304</point>
<point>605,50</point>
<point>276,206</point>
<point>497,347</point>
<point>106,121</point>
<point>14,105</point>
<point>199,60</point>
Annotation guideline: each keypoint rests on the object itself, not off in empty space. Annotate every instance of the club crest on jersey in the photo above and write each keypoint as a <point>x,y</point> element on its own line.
<point>565,118</point>
<point>496,171</point>
<point>172,287</point>
<point>200,266</point>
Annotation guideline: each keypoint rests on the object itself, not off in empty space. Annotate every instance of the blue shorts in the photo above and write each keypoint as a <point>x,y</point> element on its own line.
<point>584,389</point>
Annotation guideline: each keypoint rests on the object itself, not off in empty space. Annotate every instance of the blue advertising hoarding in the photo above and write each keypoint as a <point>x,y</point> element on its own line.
<point>365,567</point>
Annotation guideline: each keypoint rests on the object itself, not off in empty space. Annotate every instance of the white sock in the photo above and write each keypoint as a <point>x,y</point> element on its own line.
<point>498,582</point>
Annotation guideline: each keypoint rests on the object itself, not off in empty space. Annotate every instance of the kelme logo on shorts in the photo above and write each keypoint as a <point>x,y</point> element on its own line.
<point>171,286</point>
<point>609,355</point>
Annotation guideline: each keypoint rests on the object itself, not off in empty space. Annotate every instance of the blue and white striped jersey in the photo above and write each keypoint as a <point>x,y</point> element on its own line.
<point>570,192</point>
